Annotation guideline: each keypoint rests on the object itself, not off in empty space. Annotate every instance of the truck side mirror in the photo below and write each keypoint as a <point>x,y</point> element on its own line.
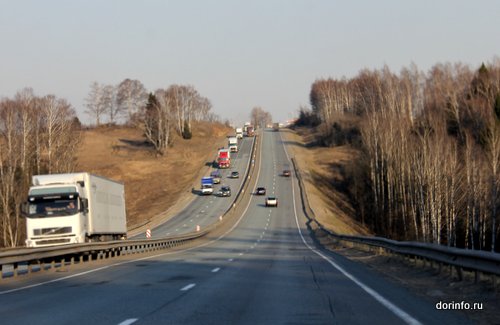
<point>23,207</point>
<point>84,206</point>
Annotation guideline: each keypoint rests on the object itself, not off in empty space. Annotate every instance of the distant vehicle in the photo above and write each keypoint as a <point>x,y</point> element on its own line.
<point>224,191</point>
<point>207,185</point>
<point>250,131</point>
<point>239,133</point>
<point>223,158</point>
<point>271,201</point>
<point>276,126</point>
<point>74,208</point>
<point>260,191</point>
<point>216,176</point>
<point>286,173</point>
<point>233,144</point>
<point>234,174</point>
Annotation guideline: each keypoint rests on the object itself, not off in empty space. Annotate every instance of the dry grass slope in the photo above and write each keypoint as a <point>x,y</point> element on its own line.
<point>152,184</point>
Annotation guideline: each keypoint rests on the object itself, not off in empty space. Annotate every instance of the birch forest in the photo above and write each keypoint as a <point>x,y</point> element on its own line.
<point>38,135</point>
<point>429,144</point>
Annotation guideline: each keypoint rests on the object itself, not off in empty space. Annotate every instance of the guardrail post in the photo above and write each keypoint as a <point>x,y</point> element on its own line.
<point>53,265</point>
<point>460,273</point>
<point>15,270</point>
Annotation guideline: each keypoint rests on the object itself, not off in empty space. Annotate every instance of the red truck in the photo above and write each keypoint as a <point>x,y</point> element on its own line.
<point>224,158</point>
<point>250,131</point>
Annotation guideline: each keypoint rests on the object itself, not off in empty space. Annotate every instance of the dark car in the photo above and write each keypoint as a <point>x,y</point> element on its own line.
<point>260,191</point>
<point>225,191</point>
<point>234,175</point>
<point>287,173</point>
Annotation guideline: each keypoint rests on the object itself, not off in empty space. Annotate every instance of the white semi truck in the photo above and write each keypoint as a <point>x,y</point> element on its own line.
<point>239,133</point>
<point>74,208</point>
<point>233,144</point>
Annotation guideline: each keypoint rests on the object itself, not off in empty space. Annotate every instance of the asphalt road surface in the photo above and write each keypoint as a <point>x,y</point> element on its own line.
<point>206,209</point>
<point>265,270</point>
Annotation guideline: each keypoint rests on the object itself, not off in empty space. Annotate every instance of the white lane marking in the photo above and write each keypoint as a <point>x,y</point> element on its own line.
<point>188,287</point>
<point>230,260</point>
<point>129,321</point>
<point>241,254</point>
<point>217,269</point>
<point>142,258</point>
<point>407,318</point>
<point>167,234</point>
<point>191,220</point>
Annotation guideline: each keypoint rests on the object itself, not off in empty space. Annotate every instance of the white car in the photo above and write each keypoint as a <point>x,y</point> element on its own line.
<point>271,201</point>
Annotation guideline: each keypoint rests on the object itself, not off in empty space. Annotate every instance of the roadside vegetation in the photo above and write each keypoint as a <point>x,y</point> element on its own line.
<point>428,145</point>
<point>43,135</point>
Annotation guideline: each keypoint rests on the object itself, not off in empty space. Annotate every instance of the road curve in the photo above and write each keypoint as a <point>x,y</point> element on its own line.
<point>266,270</point>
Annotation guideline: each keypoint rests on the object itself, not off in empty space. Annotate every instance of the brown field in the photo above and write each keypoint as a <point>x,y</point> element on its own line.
<point>154,186</point>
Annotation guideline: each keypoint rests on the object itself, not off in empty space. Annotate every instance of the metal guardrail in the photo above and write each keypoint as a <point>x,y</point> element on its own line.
<point>14,262</point>
<point>461,259</point>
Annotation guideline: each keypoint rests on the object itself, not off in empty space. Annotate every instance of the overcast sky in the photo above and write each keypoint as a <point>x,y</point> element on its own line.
<point>239,54</point>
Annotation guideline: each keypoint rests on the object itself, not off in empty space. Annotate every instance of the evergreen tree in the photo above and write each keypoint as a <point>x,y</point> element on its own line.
<point>187,134</point>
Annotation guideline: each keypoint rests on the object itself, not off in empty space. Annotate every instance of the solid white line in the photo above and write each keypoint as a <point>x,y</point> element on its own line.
<point>188,287</point>
<point>217,269</point>
<point>386,303</point>
<point>129,321</point>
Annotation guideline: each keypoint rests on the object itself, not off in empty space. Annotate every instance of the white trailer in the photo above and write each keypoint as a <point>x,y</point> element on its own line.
<point>233,144</point>
<point>74,208</point>
<point>239,133</point>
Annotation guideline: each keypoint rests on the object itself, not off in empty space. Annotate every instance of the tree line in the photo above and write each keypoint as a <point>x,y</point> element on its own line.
<point>260,118</point>
<point>429,168</point>
<point>156,113</point>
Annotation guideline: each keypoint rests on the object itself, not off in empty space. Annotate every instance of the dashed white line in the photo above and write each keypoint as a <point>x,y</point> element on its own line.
<point>230,260</point>
<point>129,321</point>
<point>217,269</point>
<point>241,254</point>
<point>188,287</point>
<point>191,220</point>
<point>167,234</point>
<point>176,229</point>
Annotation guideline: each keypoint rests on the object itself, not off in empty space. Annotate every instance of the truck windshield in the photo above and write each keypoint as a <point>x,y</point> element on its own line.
<point>41,208</point>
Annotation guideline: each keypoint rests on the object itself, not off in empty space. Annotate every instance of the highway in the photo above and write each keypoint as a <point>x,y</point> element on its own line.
<point>206,209</point>
<point>264,270</point>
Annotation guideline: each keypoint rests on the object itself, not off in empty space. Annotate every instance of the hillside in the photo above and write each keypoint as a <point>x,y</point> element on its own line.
<point>152,184</point>
<point>323,170</point>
